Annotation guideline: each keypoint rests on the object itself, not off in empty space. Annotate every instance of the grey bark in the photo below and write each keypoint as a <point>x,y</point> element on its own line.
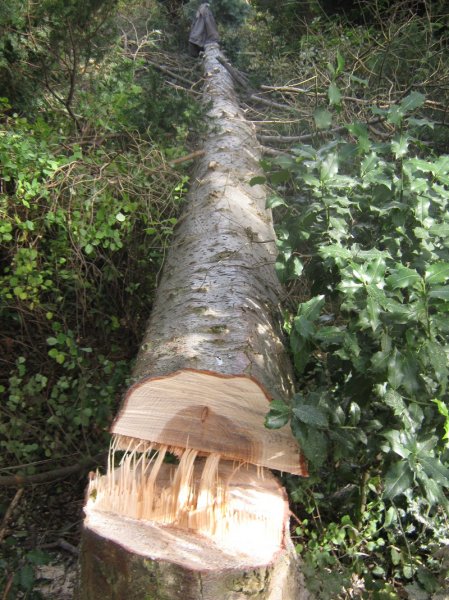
<point>111,572</point>
<point>218,309</point>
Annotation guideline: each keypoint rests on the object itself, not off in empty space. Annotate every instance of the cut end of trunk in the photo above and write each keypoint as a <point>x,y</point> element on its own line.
<point>210,413</point>
<point>241,510</point>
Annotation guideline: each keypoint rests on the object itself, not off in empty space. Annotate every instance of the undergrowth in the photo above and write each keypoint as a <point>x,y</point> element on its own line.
<point>363,249</point>
<point>88,202</point>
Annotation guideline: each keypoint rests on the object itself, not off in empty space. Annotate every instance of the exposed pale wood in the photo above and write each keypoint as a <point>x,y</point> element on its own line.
<point>240,509</point>
<point>208,413</point>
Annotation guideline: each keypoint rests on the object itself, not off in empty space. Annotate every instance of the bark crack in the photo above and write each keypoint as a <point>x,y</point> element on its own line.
<point>200,579</point>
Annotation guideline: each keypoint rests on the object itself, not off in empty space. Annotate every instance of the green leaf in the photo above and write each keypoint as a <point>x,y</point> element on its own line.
<point>296,267</point>
<point>437,360</point>
<point>390,517</point>
<point>397,404</point>
<point>278,416</point>
<point>281,270</point>
<point>304,326</point>
<point>334,94</point>
<point>363,82</point>
<point>402,277</point>
<point>312,308</point>
<point>373,311</point>
<point>120,217</point>
<point>311,415</point>
<point>363,143</point>
<point>421,122</point>
<point>323,118</point>
<point>437,273</point>
<point>399,146</point>
<point>329,167</point>
<point>274,201</point>
<point>432,490</point>
<point>413,101</point>
<point>444,411</point>
<point>435,470</point>
<point>312,441</point>
<point>330,335</point>
<point>354,413</point>
<point>439,292</point>
<point>340,63</point>
<point>26,577</point>
<point>280,176</point>
<point>400,441</point>
<point>398,479</point>
<point>395,115</point>
<point>427,580</point>
<point>337,252</point>
<point>258,180</point>
<point>395,374</point>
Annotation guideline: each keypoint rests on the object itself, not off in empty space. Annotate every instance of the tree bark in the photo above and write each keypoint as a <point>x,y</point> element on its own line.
<point>216,317</point>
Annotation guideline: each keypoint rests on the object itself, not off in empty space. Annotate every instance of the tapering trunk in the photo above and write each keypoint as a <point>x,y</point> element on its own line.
<point>212,528</point>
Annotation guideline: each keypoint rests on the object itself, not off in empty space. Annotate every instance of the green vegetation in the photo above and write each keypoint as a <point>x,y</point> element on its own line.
<point>363,240</point>
<point>88,201</point>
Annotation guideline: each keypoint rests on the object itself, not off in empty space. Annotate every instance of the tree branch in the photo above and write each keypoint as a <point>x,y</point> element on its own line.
<point>59,473</point>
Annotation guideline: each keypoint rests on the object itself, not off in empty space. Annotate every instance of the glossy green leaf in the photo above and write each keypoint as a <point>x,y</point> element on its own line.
<point>395,373</point>
<point>399,146</point>
<point>329,167</point>
<point>397,404</point>
<point>311,415</point>
<point>440,292</point>
<point>403,277</point>
<point>312,441</point>
<point>354,413</point>
<point>278,415</point>
<point>340,63</point>
<point>304,326</point>
<point>398,479</point>
<point>312,308</point>
<point>437,273</point>
<point>400,441</point>
<point>274,201</point>
<point>296,267</point>
<point>435,470</point>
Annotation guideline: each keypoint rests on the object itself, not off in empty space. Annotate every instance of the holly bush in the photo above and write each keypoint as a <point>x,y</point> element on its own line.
<point>364,229</point>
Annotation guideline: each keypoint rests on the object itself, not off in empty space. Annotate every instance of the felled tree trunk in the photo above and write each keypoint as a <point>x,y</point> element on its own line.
<point>214,527</point>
